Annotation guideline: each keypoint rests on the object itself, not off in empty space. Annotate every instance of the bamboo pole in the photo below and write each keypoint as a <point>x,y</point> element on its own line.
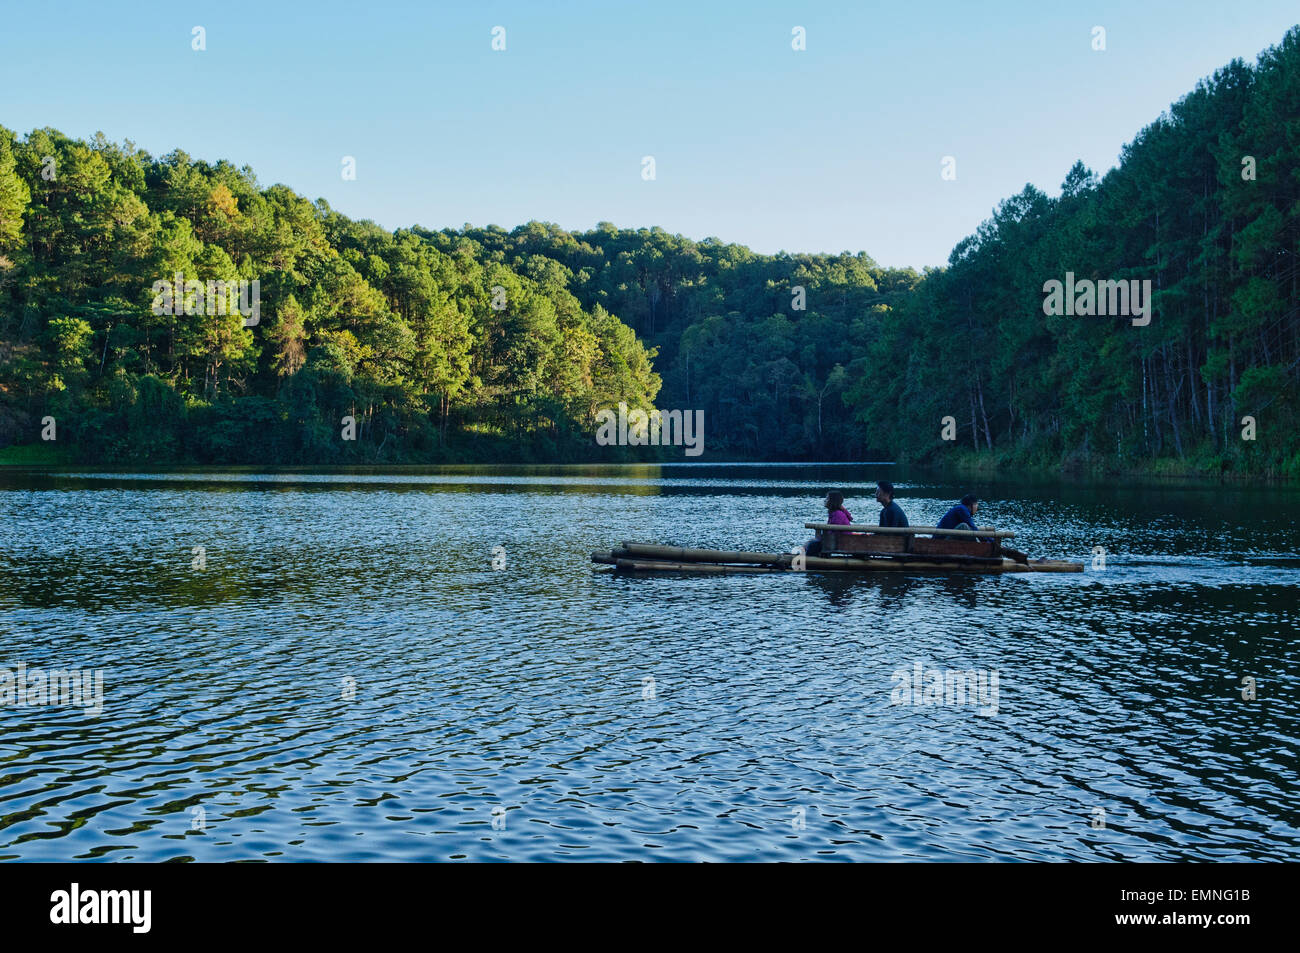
<point>1052,565</point>
<point>882,564</point>
<point>679,554</point>
<point>624,559</point>
<point>643,565</point>
<point>646,557</point>
<point>938,557</point>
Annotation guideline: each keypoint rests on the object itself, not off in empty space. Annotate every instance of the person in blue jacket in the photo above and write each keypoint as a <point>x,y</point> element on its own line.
<point>962,516</point>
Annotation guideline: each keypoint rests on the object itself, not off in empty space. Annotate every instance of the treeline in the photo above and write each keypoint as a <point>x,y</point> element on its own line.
<point>487,344</point>
<point>1206,205</point>
<point>760,343</point>
<point>471,344</point>
<point>436,350</point>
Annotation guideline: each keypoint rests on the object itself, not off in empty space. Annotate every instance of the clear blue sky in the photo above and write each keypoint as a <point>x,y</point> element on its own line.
<point>834,148</point>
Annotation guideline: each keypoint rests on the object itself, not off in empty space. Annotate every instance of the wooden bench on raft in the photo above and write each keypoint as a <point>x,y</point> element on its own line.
<point>910,543</point>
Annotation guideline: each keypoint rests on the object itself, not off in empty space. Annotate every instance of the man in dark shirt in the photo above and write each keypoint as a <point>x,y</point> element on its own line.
<point>892,514</point>
<point>961,516</point>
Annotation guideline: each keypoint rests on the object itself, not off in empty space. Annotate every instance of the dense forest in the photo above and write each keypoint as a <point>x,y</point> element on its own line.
<point>394,330</point>
<point>1205,204</point>
<point>482,344</point>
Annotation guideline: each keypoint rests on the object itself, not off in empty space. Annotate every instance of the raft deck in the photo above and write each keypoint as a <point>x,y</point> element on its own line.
<point>862,549</point>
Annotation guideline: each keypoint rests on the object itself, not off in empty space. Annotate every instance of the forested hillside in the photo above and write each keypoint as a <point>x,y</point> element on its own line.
<point>391,329</point>
<point>760,343</point>
<point>487,344</point>
<point>1206,205</point>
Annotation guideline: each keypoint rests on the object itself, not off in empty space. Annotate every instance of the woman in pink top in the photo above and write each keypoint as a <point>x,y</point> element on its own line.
<point>836,514</point>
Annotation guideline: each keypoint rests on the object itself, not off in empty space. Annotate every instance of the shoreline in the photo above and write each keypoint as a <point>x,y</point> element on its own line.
<point>964,468</point>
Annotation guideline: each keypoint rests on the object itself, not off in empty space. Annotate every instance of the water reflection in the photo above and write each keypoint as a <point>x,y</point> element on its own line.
<point>885,591</point>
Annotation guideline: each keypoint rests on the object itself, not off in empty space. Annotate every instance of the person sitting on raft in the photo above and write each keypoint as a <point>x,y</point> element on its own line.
<point>836,514</point>
<point>962,515</point>
<point>892,514</point>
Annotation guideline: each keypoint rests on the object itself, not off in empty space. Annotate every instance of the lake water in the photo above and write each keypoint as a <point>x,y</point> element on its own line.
<point>347,677</point>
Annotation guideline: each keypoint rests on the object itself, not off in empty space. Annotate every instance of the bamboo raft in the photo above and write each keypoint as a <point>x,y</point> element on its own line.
<point>858,548</point>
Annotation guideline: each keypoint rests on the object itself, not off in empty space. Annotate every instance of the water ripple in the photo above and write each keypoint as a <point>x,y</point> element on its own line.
<point>348,678</point>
